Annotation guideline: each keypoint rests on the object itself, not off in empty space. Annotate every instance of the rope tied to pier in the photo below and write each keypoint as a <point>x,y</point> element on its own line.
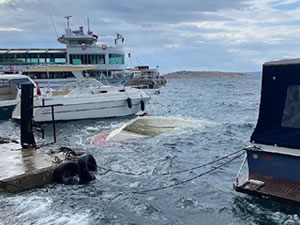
<point>231,157</point>
<point>190,179</point>
<point>171,173</point>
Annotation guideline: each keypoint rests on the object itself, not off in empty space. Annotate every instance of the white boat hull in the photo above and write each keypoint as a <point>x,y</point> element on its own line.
<point>88,106</point>
<point>88,111</point>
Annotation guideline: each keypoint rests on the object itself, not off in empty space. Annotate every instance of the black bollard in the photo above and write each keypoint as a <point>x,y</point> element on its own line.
<point>27,137</point>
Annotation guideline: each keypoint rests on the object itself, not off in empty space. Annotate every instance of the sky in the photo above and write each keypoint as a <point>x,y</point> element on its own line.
<point>175,35</point>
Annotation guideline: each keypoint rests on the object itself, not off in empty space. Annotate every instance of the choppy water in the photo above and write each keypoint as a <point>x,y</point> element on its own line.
<point>225,113</point>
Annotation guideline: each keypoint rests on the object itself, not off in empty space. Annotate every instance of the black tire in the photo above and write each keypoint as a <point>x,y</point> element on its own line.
<point>143,106</point>
<point>87,164</point>
<point>67,173</point>
<point>129,103</point>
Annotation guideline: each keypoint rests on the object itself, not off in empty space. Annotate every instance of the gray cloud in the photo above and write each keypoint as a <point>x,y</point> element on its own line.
<point>176,35</point>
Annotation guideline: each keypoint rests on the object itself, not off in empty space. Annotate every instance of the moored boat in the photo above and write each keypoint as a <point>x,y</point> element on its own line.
<point>274,154</point>
<point>10,93</point>
<point>87,99</point>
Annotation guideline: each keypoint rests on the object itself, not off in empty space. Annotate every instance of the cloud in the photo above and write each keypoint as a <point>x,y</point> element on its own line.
<point>232,35</point>
<point>8,29</point>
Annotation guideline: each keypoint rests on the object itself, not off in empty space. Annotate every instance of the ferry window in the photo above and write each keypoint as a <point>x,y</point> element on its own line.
<point>73,42</point>
<point>60,60</point>
<point>100,59</point>
<point>87,59</point>
<point>116,59</point>
<point>42,60</point>
<point>75,59</point>
<point>291,116</point>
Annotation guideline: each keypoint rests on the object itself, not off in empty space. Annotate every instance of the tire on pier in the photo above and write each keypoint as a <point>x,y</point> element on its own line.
<point>87,165</point>
<point>67,173</point>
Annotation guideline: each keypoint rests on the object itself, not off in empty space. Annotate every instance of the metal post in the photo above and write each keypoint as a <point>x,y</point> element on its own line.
<point>53,123</point>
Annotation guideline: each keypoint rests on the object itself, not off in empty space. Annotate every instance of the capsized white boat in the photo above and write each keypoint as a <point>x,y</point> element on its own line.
<point>148,126</point>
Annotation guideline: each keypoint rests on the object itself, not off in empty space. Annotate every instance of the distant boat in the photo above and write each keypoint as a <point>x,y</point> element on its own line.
<point>274,154</point>
<point>10,91</point>
<point>145,78</point>
<point>86,99</point>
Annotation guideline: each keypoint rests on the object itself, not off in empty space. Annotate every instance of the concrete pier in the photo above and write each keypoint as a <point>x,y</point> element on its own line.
<point>24,169</point>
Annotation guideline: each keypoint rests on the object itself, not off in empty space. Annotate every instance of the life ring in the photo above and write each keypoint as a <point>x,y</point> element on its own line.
<point>104,47</point>
<point>83,46</point>
<point>67,173</point>
<point>143,106</point>
<point>87,163</point>
<point>129,102</point>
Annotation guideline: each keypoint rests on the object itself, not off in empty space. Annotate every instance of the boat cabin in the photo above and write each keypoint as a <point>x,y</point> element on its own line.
<point>274,156</point>
<point>279,118</point>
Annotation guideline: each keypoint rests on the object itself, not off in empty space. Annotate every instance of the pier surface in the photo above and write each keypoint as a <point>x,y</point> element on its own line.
<point>24,169</point>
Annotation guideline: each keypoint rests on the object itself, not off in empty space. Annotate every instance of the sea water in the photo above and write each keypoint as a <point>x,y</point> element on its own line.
<point>225,112</point>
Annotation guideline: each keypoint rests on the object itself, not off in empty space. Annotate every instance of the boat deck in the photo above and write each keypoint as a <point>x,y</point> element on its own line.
<point>269,187</point>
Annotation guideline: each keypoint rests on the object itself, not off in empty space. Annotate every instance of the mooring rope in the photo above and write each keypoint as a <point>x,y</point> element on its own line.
<point>188,180</point>
<point>170,173</point>
<point>119,172</point>
<point>203,165</point>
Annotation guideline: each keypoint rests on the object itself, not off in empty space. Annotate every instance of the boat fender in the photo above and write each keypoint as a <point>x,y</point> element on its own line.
<point>67,173</point>
<point>143,106</point>
<point>129,102</point>
<point>87,164</point>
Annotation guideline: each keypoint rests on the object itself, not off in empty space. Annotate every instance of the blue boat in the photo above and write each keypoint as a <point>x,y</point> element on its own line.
<point>274,154</point>
<point>10,89</point>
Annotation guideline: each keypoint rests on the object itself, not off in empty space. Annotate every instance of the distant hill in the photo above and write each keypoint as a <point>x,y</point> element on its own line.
<point>204,74</point>
<point>258,73</point>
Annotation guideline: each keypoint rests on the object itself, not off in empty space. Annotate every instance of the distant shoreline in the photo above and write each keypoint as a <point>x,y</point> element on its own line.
<point>204,74</point>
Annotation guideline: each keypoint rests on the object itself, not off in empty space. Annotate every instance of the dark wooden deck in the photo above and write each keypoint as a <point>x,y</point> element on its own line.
<point>276,189</point>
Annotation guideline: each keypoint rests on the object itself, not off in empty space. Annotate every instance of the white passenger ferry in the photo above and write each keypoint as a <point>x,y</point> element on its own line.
<point>81,49</point>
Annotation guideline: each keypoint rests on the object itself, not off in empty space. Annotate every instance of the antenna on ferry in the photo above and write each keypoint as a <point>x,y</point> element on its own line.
<point>53,24</point>
<point>88,22</point>
<point>68,21</point>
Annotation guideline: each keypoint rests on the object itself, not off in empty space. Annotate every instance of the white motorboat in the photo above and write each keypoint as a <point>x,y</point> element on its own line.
<point>10,86</point>
<point>87,99</point>
<point>148,126</point>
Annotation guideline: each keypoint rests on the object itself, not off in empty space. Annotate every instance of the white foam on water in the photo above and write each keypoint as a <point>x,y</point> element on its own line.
<point>38,209</point>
